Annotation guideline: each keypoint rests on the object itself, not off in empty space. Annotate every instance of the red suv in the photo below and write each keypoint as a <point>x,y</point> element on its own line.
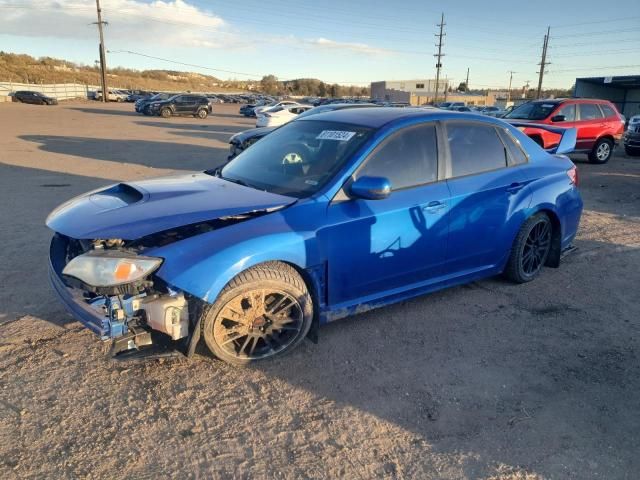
<point>600,126</point>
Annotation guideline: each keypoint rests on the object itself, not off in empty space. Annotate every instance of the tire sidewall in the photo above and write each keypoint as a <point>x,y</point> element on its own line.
<point>303,298</point>
<point>527,228</point>
<point>202,114</point>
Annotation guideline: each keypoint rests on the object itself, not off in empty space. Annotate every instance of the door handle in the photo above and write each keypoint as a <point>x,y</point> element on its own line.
<point>515,187</point>
<point>434,207</point>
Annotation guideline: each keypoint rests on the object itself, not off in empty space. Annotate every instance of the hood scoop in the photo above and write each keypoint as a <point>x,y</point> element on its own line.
<point>116,196</point>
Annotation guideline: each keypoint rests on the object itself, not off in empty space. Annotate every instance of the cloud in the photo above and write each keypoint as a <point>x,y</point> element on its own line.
<point>171,22</point>
<point>325,43</point>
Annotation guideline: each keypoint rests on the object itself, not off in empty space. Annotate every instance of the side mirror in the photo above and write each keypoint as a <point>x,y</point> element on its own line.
<point>371,188</point>
<point>558,118</point>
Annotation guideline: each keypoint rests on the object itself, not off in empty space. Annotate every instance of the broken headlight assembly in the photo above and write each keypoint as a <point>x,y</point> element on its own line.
<point>110,268</point>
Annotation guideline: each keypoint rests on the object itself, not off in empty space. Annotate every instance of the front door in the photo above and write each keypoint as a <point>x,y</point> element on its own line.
<point>378,247</point>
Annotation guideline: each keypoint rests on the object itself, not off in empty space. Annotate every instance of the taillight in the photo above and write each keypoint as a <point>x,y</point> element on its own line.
<point>572,173</point>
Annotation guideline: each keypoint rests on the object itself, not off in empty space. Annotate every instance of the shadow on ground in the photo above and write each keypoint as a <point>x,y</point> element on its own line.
<point>179,156</point>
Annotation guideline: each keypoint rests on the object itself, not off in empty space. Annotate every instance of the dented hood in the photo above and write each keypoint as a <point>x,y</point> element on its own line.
<point>134,210</point>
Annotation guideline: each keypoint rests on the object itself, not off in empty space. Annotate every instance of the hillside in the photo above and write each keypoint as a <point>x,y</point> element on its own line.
<point>27,69</point>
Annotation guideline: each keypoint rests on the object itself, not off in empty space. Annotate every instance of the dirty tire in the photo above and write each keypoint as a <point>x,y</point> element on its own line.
<point>601,152</point>
<point>202,114</point>
<point>238,333</point>
<point>165,113</point>
<point>519,268</point>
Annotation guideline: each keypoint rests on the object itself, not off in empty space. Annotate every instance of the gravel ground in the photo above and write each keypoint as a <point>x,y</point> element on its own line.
<point>489,380</point>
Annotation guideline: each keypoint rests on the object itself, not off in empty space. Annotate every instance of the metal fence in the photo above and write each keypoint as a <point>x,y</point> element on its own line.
<point>61,91</point>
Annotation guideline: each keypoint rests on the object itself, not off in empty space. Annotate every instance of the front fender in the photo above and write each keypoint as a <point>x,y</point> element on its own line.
<point>204,264</point>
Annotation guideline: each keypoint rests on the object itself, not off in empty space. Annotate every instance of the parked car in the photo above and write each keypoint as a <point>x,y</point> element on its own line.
<point>631,137</point>
<point>113,95</point>
<point>182,104</point>
<point>274,117</point>
<point>141,106</point>
<point>599,124</point>
<point>243,140</point>
<point>265,108</point>
<point>327,216</point>
<point>491,111</point>
<point>450,105</point>
<point>460,109</point>
<point>36,98</point>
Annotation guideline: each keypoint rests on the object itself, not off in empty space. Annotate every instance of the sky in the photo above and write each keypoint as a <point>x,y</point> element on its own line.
<point>337,41</point>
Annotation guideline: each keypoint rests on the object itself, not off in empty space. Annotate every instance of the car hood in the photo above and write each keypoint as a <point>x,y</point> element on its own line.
<point>134,210</point>
<point>245,135</point>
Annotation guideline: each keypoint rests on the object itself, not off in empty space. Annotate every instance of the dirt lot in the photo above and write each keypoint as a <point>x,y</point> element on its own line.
<point>489,380</point>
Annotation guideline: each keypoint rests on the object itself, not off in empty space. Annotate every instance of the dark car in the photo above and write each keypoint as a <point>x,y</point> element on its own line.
<point>36,98</point>
<point>330,215</point>
<point>631,137</point>
<point>182,104</point>
<point>142,104</point>
<point>243,140</point>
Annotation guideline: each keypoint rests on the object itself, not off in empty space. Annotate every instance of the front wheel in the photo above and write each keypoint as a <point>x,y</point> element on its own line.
<point>602,151</point>
<point>165,113</point>
<point>530,249</point>
<point>202,114</point>
<point>262,313</point>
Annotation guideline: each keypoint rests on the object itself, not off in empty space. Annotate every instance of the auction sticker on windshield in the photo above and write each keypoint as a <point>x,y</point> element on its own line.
<point>339,135</point>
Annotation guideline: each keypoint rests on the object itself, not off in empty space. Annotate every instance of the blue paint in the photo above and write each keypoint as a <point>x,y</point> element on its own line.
<point>355,253</point>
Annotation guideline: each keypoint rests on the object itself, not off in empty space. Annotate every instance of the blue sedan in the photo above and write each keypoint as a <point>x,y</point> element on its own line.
<point>325,217</point>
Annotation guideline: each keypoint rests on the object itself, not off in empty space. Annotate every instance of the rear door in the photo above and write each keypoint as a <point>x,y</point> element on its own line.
<point>590,123</point>
<point>487,188</point>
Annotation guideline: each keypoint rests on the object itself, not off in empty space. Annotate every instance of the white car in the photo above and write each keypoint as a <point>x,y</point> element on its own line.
<point>271,106</point>
<point>113,96</point>
<point>280,115</point>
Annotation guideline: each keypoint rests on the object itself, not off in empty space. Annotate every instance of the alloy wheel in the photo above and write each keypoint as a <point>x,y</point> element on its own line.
<point>536,248</point>
<point>603,151</point>
<point>258,324</point>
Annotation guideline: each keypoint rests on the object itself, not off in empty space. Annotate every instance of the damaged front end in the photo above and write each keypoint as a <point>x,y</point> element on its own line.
<point>109,286</point>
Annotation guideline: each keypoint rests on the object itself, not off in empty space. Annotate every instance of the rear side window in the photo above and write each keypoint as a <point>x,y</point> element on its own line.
<point>408,159</point>
<point>516,154</point>
<point>608,111</point>
<point>474,149</point>
<point>589,111</point>
<point>569,112</point>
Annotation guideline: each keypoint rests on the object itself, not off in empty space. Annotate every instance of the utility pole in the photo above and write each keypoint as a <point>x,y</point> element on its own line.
<point>511,72</point>
<point>466,83</point>
<point>103,58</point>
<point>543,63</point>
<point>439,56</point>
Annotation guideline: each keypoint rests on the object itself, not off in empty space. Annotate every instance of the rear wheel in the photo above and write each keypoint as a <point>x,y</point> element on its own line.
<point>262,313</point>
<point>165,112</point>
<point>602,151</point>
<point>530,249</point>
<point>202,114</point>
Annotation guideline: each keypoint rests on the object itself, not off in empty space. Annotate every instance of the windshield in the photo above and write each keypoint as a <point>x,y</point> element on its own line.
<point>532,111</point>
<point>297,159</point>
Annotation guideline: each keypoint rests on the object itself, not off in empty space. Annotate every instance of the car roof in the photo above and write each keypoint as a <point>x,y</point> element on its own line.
<point>376,117</point>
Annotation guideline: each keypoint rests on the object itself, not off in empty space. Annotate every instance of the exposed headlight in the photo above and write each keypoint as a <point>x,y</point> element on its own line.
<point>108,269</point>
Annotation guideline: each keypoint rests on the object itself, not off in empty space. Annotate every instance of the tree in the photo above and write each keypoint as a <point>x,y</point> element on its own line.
<point>270,85</point>
<point>462,87</point>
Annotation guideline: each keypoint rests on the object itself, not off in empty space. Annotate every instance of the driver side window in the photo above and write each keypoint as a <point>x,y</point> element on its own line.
<point>407,159</point>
